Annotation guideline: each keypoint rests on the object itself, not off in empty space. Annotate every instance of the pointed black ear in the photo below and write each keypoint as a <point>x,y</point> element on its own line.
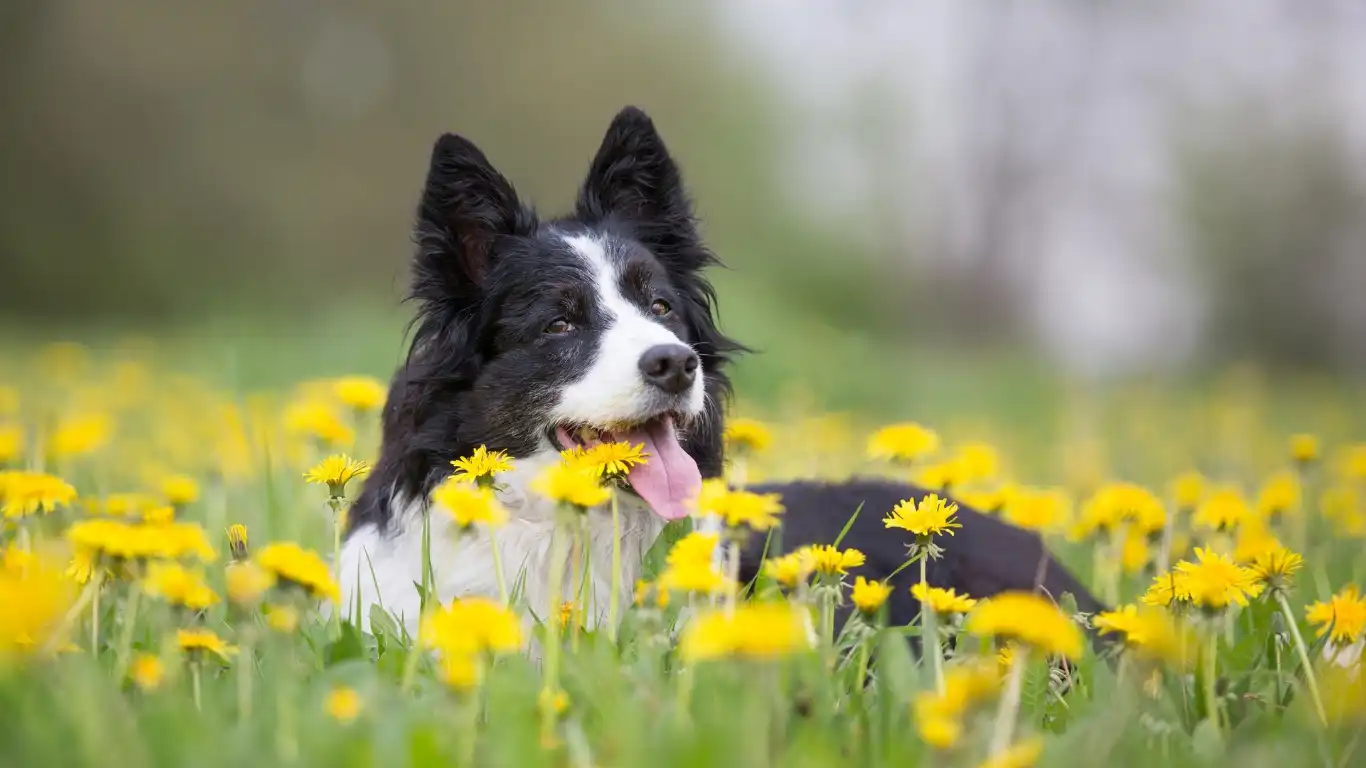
<point>466,206</point>
<point>634,179</point>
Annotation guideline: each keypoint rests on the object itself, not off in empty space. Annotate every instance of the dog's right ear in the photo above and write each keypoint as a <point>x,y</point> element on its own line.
<point>466,207</point>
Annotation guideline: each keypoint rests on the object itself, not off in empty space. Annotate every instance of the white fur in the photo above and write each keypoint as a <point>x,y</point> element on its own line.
<point>613,389</point>
<point>385,566</point>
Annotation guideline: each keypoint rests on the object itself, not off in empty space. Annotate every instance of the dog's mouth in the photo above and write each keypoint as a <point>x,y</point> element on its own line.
<point>668,481</point>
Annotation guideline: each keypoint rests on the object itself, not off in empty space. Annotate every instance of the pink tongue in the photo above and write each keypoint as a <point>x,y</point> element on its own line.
<point>668,481</point>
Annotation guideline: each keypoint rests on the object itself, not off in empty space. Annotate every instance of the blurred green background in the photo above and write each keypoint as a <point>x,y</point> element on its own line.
<point>920,206</point>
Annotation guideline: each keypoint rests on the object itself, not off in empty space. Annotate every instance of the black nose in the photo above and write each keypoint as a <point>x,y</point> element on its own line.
<point>671,367</point>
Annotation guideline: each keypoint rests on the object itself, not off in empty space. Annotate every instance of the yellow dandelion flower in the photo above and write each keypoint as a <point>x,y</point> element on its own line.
<point>199,642</point>
<point>573,485</point>
<point>147,672</point>
<point>468,504</point>
<point>343,704</point>
<point>1215,580</point>
<point>1254,537</point>
<point>696,548</point>
<point>248,582</point>
<point>979,461</point>
<point>27,493</point>
<point>567,614</point>
<point>461,671</point>
<point>126,504</point>
<point>1304,448</point>
<point>360,393</point>
<point>611,459</point>
<point>481,465</point>
<point>1344,616</point>
<point>36,595</point>
<point>180,490</point>
<point>1352,462</point>
<point>756,511</point>
<point>553,701</point>
<point>1167,589</point>
<point>945,602</point>
<point>903,442</point>
<point>303,568</point>
<point>751,631</point>
<point>790,569</point>
<point>1223,509</point>
<point>1278,495</point>
<point>1147,632</point>
<point>831,561</point>
<point>178,585</point>
<point>931,516</point>
<point>1275,565</point>
<point>1135,554</point>
<point>237,541</point>
<point>119,540</point>
<point>1188,490</point>
<point>941,733</point>
<point>939,714</point>
<point>471,625</point>
<point>747,436</point>
<point>943,475</point>
<point>694,577</point>
<point>1122,502</point>
<point>282,618</point>
<point>1023,754</point>
<point>868,596</point>
<point>643,591</point>
<point>317,420</point>
<point>988,501</point>
<point>79,434</point>
<point>159,515</point>
<point>336,471</point>
<point>11,444</point>
<point>1037,509</point>
<point>689,566</point>
<point>1029,619</point>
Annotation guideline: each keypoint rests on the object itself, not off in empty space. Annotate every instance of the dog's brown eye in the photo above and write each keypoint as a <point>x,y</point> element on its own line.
<point>559,326</point>
<point>660,308</point>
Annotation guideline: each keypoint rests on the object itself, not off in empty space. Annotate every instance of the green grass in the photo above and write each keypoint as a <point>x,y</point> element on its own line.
<point>633,703</point>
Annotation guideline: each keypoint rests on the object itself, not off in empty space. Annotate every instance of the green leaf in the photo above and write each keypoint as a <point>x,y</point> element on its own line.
<point>654,558</point>
<point>382,625</point>
<point>348,646</point>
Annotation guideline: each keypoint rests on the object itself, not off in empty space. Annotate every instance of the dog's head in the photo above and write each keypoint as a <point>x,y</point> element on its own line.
<point>531,335</point>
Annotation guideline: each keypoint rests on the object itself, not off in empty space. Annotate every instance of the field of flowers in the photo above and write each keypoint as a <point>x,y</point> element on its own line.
<point>167,545</point>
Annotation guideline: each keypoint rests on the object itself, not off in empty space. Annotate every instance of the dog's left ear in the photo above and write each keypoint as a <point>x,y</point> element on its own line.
<point>633,178</point>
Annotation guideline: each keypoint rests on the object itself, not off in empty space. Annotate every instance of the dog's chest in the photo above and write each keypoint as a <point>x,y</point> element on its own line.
<point>385,567</point>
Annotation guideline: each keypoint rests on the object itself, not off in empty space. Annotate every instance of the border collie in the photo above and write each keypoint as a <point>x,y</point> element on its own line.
<point>529,332</point>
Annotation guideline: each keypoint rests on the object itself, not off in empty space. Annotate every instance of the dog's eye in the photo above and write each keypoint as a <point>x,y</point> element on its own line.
<point>660,308</point>
<point>559,326</point>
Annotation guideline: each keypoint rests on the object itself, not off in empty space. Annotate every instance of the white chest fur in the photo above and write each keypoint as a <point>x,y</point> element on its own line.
<point>385,566</point>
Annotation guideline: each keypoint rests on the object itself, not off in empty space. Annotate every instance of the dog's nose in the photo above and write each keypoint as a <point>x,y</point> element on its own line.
<point>671,367</point>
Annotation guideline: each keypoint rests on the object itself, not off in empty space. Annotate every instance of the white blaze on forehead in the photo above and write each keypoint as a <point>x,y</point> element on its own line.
<point>613,390</point>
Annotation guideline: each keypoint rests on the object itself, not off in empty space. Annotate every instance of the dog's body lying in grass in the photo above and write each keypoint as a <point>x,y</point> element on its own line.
<point>533,336</point>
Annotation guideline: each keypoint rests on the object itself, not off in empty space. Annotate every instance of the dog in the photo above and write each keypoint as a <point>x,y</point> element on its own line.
<point>533,335</point>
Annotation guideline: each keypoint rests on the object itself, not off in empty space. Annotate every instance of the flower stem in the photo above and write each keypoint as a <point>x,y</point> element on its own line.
<point>1300,648</point>
<point>125,646</point>
<point>551,682</point>
<point>246,663</point>
<point>498,567</point>
<point>1010,704</point>
<point>732,561</point>
<point>614,600</point>
<point>335,503</point>
<point>95,623</point>
<point>426,558</point>
<point>1212,683</point>
<point>929,631</point>
<point>195,687</point>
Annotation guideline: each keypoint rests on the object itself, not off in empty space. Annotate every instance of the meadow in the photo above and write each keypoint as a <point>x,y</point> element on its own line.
<point>168,529</point>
